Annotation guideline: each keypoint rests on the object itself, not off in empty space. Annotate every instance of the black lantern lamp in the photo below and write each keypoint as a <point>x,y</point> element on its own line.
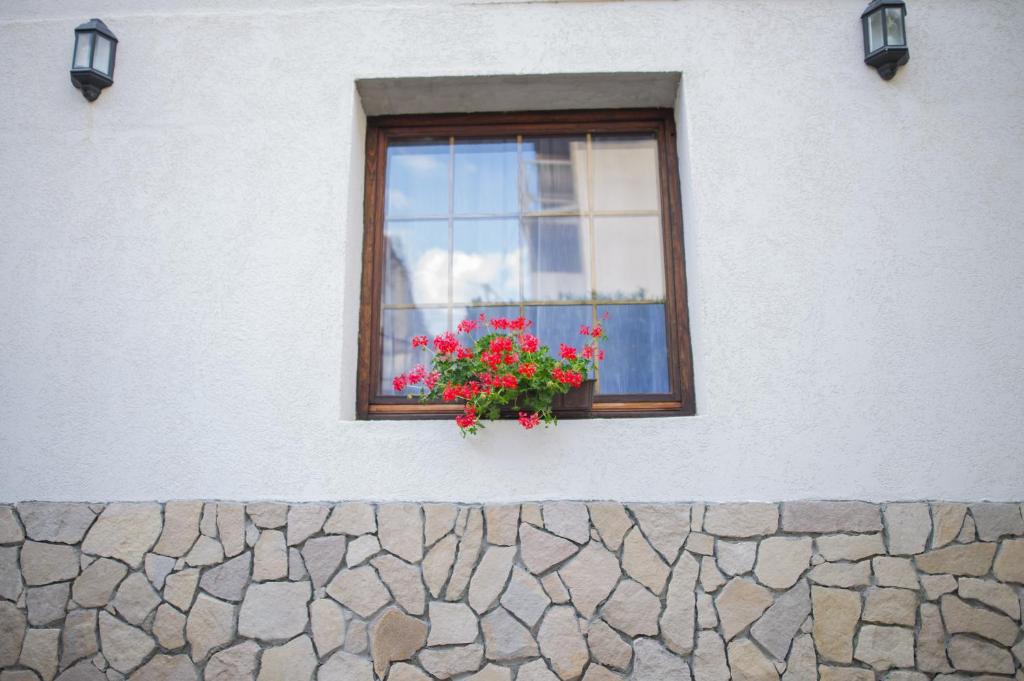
<point>885,36</point>
<point>92,65</point>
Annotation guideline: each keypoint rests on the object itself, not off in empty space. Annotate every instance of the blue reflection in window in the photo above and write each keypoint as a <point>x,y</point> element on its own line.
<point>637,357</point>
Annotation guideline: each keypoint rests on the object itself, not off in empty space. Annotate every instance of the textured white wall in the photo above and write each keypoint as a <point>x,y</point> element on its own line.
<point>179,260</point>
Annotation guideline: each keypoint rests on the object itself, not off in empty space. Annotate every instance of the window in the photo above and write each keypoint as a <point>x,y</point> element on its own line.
<point>559,217</point>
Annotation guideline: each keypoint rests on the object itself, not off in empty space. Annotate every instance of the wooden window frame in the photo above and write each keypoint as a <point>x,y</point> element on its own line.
<point>381,129</point>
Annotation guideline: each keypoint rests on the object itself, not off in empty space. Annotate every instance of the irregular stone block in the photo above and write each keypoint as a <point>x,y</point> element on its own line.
<point>206,551</point>
<point>836,613</point>
<point>524,597</point>
<point>908,526</point>
<point>125,531</point>
<point>736,557</point>
<point>781,561</point>
<point>711,577</point>
<point>505,638</point>
<point>835,547</point>
<point>180,587</point>
<point>709,661</point>
<point>228,581</point>
<point>79,638</point>
<point>359,590</point>
<point>10,573</point>
<point>296,569</point>
<point>10,528</point>
<point>568,519</point>
<point>304,521</point>
<point>135,599</point>
<point>404,582</point>
<point>166,668</point>
<point>39,651</point>
<point>345,666</point>
<point>293,660</point>
<point>741,520</point>
<point>830,673</point>
<point>402,671</point>
<point>169,627</point>
<point>947,519</point>
<point>395,636</point>
<point>268,515</point>
<point>972,655</point>
<point>890,606</point>
<point>999,596</point>
<point>492,672</point>
<point>844,575</point>
<point>124,646</point>
<point>400,528</point>
<point>739,604</point>
<point>234,663</point>
<point>438,562</point>
<point>562,643</point>
<point>962,618</point>
<point>885,647</point>
<point>270,557</point>
<point>931,641</point>
<point>936,585</point>
<point>502,522</point>
<point>322,557</point>
<point>607,646</point>
<point>211,624</point>
<point>541,550</point>
<point>361,548</point>
<point>892,571</point>
<point>590,576</point>
<point>469,550</point>
<point>490,577</point>
<point>95,586</point>
<point>274,611</point>
<point>157,568</point>
<point>611,521</point>
<point>48,563</point>
<point>439,520</point>
<point>357,638</point>
<point>677,619</point>
<point>666,526</point>
<point>554,588</point>
<point>748,663</point>
<point>802,663</point>
<point>535,671</point>
<point>707,617</point>
<point>642,563</point>
<point>1009,564</point>
<point>997,520</point>
<point>327,621</point>
<point>632,609</point>
<point>830,516</point>
<point>451,624</point>
<point>63,523</point>
<point>781,622</point>
<point>353,519</point>
<point>654,663</point>
<point>46,603</point>
<point>445,663</point>
<point>231,528</point>
<point>181,528</point>
<point>972,560</point>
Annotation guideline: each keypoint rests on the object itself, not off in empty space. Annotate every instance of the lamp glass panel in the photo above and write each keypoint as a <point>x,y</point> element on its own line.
<point>894,27</point>
<point>875,39</point>
<point>101,55</point>
<point>83,50</point>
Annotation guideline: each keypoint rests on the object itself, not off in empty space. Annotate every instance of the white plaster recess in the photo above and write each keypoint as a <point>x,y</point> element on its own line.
<point>540,591</point>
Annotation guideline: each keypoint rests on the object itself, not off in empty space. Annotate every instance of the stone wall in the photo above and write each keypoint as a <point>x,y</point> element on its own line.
<point>798,591</point>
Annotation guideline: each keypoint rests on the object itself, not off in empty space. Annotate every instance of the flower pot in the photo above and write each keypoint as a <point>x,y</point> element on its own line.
<point>581,398</point>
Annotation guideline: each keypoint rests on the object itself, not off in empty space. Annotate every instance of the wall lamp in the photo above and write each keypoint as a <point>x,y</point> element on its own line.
<point>92,63</point>
<point>885,36</point>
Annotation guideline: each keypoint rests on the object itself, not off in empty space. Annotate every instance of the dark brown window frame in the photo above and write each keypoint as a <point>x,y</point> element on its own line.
<point>381,129</point>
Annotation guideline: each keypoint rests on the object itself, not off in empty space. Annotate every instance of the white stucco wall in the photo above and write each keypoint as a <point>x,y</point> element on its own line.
<point>179,261</point>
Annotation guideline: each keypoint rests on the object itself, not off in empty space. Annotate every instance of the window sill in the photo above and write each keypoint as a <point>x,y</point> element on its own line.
<point>401,412</point>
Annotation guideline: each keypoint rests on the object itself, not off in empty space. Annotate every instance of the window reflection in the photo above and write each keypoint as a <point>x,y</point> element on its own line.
<point>558,228</point>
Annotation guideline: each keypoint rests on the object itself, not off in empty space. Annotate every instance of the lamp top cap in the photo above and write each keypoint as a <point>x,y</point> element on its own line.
<point>98,26</point>
<point>876,4</point>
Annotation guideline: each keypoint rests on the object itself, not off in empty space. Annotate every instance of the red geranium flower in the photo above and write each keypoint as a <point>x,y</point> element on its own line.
<point>567,351</point>
<point>528,421</point>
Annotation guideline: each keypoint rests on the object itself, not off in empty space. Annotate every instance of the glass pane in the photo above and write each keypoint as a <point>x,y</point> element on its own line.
<point>555,169</point>
<point>398,327</point>
<point>628,258</point>
<point>636,358</point>
<point>474,312</point>
<point>416,262</point>
<point>101,57</point>
<point>485,263</point>
<point>556,262</point>
<point>83,50</point>
<point>417,178</point>
<point>556,324</point>
<point>874,31</point>
<point>486,177</point>
<point>625,172</point>
<point>894,26</point>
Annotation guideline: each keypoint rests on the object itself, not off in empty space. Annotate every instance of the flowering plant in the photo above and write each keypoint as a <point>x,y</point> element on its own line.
<point>500,366</point>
